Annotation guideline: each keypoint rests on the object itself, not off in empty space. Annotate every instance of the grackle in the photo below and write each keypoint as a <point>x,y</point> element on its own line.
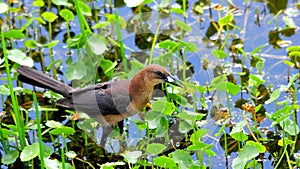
<point>108,102</point>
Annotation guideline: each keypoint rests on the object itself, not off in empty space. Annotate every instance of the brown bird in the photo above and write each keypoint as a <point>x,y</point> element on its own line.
<point>108,102</point>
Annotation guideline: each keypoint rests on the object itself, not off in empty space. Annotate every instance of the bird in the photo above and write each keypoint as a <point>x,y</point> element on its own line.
<point>108,102</point>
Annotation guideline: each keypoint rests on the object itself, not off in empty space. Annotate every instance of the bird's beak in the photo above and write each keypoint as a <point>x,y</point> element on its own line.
<point>173,80</point>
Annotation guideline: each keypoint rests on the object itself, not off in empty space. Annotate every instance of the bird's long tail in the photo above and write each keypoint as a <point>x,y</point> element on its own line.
<point>39,79</point>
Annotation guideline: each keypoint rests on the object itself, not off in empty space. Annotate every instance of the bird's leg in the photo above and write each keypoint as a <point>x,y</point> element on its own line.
<point>105,133</point>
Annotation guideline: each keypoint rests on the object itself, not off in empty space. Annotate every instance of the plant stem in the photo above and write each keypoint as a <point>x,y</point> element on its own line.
<point>153,43</point>
<point>81,20</point>
<point>50,51</point>
<point>63,163</point>
<point>38,122</point>
<point>119,35</point>
<point>249,128</point>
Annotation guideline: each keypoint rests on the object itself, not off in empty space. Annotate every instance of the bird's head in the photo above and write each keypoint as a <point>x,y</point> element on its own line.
<point>155,74</point>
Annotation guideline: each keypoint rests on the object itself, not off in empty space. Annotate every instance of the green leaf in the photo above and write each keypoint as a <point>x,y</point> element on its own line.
<point>133,156</point>
<point>15,34</point>
<point>289,22</point>
<point>84,8</point>
<point>30,152</point>
<point>239,136</point>
<point>220,54</point>
<point>10,157</point>
<point>181,157</point>
<point>49,16</point>
<point>155,148</point>
<point>154,124</point>
<point>274,96</point>
<point>4,89</point>
<point>209,152</point>
<point>199,146</point>
<point>189,115</point>
<point>219,83</point>
<point>97,44</point>
<point>51,44</point>
<point>260,65</point>
<point>52,164</point>
<point>167,44</point>
<point>225,20</point>
<point>185,127</point>
<point>177,10</point>
<point>65,131</point>
<point>101,25</point>
<point>232,88</point>
<point>55,164</point>
<point>67,15</point>
<point>20,57</point>
<point>53,124</point>
<point>197,136</point>
<point>76,71</point>
<point>258,107</point>
<point>261,148</point>
<point>111,18</point>
<point>246,154</point>
<point>164,3</point>
<point>47,151</point>
<point>203,103</point>
<point>71,154</point>
<point>108,67</point>
<point>112,165</point>
<point>140,124</point>
<point>40,20</point>
<point>258,49</point>
<point>238,127</point>
<point>87,124</point>
<point>237,131</point>
<point>38,3</point>
<point>62,3</point>
<point>183,26</point>
<point>164,162</point>
<point>3,7</point>
<point>162,128</point>
<point>152,115</point>
<point>190,46</point>
<point>163,106</point>
<point>292,80</point>
<point>294,55</point>
<point>289,126</point>
<point>293,48</point>
<point>30,43</point>
<point>255,79</point>
<point>199,9</point>
<point>27,24</point>
<point>282,112</point>
<point>131,3</point>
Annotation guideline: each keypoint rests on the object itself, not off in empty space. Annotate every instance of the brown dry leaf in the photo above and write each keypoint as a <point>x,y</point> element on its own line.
<point>251,109</point>
<point>220,114</point>
<point>248,108</point>
<point>217,7</point>
<point>75,116</point>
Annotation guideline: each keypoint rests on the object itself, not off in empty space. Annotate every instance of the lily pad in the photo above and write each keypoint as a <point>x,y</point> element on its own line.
<point>20,57</point>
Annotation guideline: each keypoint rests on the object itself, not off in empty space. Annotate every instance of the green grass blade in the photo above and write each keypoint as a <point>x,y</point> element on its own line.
<point>38,121</point>
<point>119,35</point>
<point>15,105</point>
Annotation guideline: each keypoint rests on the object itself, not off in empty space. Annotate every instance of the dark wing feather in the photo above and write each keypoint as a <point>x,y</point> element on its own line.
<point>96,101</point>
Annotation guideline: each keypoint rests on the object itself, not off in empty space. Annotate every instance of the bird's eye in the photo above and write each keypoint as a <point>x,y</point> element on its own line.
<point>159,74</point>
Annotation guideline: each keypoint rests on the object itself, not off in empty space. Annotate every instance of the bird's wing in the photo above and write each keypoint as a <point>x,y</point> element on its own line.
<point>102,99</point>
